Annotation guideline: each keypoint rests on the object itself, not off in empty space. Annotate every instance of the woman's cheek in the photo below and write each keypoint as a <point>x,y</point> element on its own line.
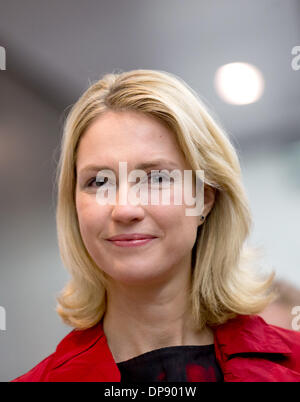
<point>86,213</point>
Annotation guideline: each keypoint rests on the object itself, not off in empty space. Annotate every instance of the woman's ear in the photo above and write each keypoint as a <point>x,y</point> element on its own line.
<point>209,200</point>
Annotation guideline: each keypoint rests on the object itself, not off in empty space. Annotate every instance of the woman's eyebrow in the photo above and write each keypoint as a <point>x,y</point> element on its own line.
<point>143,165</point>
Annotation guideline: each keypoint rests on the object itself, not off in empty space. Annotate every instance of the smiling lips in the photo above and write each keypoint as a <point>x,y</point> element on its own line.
<point>131,240</point>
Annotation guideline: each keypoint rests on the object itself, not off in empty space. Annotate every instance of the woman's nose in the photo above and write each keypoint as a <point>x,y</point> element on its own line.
<point>128,206</point>
<point>127,213</point>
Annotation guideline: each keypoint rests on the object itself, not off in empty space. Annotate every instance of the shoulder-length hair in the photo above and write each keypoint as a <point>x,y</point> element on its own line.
<point>225,276</point>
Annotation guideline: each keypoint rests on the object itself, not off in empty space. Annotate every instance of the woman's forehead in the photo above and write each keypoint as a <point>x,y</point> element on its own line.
<point>113,128</point>
<point>139,143</point>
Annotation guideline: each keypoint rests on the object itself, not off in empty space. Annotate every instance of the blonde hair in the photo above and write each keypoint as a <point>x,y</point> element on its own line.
<point>225,281</point>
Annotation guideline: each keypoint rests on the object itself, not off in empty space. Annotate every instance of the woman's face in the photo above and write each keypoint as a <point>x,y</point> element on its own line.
<point>134,138</point>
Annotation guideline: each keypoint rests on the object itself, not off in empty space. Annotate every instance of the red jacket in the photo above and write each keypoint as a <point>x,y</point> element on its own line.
<point>247,350</point>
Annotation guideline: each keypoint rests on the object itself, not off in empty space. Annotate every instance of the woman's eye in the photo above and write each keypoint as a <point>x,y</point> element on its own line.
<point>156,178</point>
<point>98,183</point>
<point>159,178</point>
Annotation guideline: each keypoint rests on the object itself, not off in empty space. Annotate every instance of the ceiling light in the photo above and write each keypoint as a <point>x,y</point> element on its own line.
<point>239,83</point>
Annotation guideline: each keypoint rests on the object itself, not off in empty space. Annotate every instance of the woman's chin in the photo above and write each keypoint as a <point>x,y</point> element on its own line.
<point>139,278</point>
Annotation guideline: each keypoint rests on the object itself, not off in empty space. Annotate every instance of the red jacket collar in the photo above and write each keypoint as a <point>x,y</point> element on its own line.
<point>97,362</point>
<point>248,334</point>
<point>250,350</point>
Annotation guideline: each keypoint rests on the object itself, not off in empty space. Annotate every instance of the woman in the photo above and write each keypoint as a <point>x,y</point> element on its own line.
<point>181,305</point>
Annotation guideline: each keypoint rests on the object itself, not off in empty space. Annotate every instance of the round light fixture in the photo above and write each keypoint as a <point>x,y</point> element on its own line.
<point>239,83</point>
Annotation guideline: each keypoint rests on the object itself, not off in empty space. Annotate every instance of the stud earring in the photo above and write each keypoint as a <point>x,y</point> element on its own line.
<point>202,219</point>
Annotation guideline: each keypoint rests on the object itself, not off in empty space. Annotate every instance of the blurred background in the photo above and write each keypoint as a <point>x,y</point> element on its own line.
<point>54,50</point>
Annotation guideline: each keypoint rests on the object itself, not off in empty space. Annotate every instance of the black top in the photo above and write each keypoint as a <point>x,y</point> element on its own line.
<point>173,364</point>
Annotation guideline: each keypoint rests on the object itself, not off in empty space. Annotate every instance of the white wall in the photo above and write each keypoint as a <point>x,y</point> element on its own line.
<point>272,180</point>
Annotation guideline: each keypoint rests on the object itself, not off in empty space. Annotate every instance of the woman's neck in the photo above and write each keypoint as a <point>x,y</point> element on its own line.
<point>138,322</point>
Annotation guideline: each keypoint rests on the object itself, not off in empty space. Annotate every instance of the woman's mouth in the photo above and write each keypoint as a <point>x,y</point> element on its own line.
<point>131,243</point>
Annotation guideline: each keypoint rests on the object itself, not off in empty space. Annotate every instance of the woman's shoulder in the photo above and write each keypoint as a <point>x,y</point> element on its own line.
<point>250,349</point>
<point>291,339</point>
<point>73,344</point>
<point>254,331</point>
